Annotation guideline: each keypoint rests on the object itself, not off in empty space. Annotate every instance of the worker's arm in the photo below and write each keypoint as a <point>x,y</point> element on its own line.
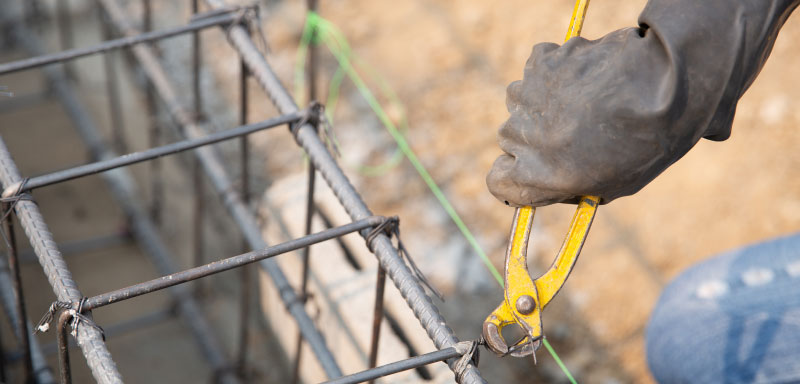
<point>606,117</point>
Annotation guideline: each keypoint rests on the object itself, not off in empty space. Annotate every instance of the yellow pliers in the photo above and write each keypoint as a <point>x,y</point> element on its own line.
<point>524,297</point>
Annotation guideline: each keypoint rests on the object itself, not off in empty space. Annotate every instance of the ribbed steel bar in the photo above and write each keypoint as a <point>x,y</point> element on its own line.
<point>244,273</point>
<point>97,356</point>
<point>154,131</point>
<point>227,264</point>
<point>81,246</point>
<point>231,199</point>
<point>121,185</point>
<point>399,366</point>
<point>153,153</point>
<point>123,327</point>
<point>198,208</point>
<point>112,89</point>
<point>409,287</point>
<point>65,31</point>
<point>64,368</point>
<point>22,315</point>
<point>377,317</point>
<point>41,371</point>
<point>51,58</point>
<point>311,73</point>
<point>3,378</point>
<point>91,342</point>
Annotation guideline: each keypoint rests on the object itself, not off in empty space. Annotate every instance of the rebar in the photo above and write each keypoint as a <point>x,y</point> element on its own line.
<point>97,356</point>
<point>235,200</point>
<point>41,371</point>
<point>377,316</point>
<point>409,287</point>
<point>64,369</point>
<point>91,342</point>
<point>149,154</point>
<point>216,173</point>
<point>144,231</point>
<point>112,90</point>
<point>311,71</point>
<point>124,42</point>
<point>227,264</point>
<point>154,131</point>
<point>19,296</point>
<point>121,328</point>
<point>244,273</point>
<point>65,32</point>
<point>399,366</point>
<point>197,172</point>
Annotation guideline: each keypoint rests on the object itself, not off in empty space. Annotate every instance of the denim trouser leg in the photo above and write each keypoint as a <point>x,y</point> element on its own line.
<point>734,318</point>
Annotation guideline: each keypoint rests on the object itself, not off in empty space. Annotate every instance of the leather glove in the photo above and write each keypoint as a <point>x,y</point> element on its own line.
<point>606,117</point>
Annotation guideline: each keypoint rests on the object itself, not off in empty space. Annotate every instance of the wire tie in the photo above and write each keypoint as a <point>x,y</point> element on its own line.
<point>391,228</point>
<point>77,317</point>
<point>470,354</point>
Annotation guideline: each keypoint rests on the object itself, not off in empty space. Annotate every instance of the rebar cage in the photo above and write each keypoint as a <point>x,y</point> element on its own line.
<point>72,310</point>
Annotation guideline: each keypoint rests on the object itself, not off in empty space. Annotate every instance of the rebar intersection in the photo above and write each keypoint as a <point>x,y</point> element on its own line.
<point>235,23</point>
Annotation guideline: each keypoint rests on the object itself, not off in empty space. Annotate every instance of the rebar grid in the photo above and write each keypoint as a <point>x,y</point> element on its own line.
<point>76,309</point>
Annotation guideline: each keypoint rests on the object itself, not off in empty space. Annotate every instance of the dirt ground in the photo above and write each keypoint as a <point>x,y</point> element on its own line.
<point>449,63</point>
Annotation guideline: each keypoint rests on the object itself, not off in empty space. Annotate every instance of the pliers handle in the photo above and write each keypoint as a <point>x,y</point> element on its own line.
<point>525,297</point>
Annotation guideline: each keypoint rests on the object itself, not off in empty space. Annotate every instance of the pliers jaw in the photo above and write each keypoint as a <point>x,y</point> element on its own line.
<point>492,333</point>
<point>524,297</point>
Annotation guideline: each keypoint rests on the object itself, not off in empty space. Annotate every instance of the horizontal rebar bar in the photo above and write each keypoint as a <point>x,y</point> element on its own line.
<point>38,61</point>
<point>408,285</point>
<point>218,176</point>
<point>398,366</point>
<point>138,157</point>
<point>226,264</point>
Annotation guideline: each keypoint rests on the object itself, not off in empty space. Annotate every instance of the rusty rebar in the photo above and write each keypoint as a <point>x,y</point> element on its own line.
<point>305,135</point>
<point>377,317</point>
<point>13,264</point>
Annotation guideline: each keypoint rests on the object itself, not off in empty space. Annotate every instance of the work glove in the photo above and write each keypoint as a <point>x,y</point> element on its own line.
<point>606,117</point>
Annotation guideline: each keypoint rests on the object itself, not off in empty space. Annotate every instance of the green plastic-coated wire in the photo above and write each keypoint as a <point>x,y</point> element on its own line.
<point>330,35</point>
<point>558,360</point>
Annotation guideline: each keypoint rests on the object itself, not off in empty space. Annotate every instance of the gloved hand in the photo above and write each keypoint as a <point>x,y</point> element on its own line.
<point>606,117</point>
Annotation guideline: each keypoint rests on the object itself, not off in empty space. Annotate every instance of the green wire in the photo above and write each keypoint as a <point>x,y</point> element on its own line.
<point>558,360</point>
<point>312,24</point>
<point>337,44</point>
<point>344,62</point>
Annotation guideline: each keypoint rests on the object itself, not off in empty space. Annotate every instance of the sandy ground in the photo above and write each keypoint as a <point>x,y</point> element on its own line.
<point>449,63</point>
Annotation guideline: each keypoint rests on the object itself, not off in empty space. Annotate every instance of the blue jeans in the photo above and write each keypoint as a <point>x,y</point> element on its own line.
<point>734,318</point>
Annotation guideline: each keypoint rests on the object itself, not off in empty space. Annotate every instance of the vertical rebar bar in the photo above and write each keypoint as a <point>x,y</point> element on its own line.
<point>311,73</point>
<point>89,339</point>
<point>197,171</point>
<point>154,133</point>
<point>377,317</point>
<point>2,361</point>
<point>65,32</point>
<point>230,198</point>
<point>409,287</point>
<point>65,372</point>
<point>13,264</point>
<point>245,271</point>
<point>112,88</point>
<point>32,12</point>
